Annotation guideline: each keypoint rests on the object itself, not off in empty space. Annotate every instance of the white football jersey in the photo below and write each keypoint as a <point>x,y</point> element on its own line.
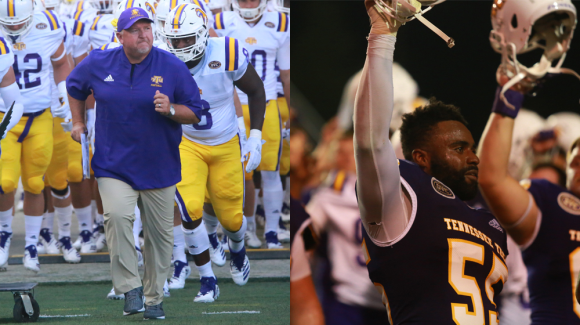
<point>266,42</point>
<point>32,60</point>
<point>334,210</point>
<point>223,63</point>
<point>6,57</point>
<point>101,30</point>
<point>81,11</point>
<point>76,43</point>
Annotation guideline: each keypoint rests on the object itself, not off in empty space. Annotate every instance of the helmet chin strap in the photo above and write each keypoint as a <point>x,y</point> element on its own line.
<point>405,11</point>
<point>536,72</point>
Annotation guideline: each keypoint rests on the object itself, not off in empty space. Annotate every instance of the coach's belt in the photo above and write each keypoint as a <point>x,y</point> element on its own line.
<point>31,117</point>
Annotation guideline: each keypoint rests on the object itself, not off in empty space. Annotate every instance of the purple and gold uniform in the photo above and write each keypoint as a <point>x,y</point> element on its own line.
<point>448,265</point>
<point>552,256</point>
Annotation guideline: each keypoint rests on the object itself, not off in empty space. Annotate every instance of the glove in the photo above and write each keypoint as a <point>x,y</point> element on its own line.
<point>67,124</point>
<point>91,123</point>
<point>243,137</point>
<point>62,110</point>
<point>286,135</point>
<point>254,148</point>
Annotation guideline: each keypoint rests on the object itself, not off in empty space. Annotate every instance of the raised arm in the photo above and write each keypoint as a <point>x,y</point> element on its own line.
<point>378,179</point>
<point>511,204</point>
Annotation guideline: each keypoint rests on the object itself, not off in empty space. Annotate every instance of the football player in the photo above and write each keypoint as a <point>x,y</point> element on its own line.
<point>163,9</point>
<point>540,216</point>
<point>101,29</point>
<point>266,35</point>
<point>37,41</point>
<point>429,254</point>
<point>211,151</point>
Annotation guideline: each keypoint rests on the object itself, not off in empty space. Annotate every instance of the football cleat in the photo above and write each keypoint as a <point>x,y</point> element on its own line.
<point>283,233</point>
<point>216,251</point>
<point>240,267</point>
<point>47,243</point>
<point>77,244</point>
<point>251,238</point>
<point>209,291</point>
<point>139,257</point>
<point>88,245</point>
<point>166,292</point>
<point>99,238</point>
<point>272,240</point>
<point>4,246</point>
<point>30,259</point>
<point>4,267</point>
<point>70,254</point>
<point>181,271</point>
<point>113,296</point>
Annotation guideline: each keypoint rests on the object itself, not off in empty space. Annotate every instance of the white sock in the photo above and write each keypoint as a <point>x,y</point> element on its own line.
<point>211,222</point>
<point>205,270</point>
<point>48,220</point>
<point>94,211</point>
<point>287,191</point>
<point>236,239</point>
<point>137,226</point>
<point>64,219</point>
<point>178,245</point>
<point>32,225</point>
<point>196,239</point>
<point>85,219</point>
<point>6,220</point>
<point>251,222</point>
<point>273,199</point>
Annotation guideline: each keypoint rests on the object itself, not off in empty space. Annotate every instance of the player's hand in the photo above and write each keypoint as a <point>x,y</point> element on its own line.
<point>162,104</point>
<point>382,23</point>
<point>67,125</point>
<point>78,129</point>
<point>525,86</point>
<point>62,110</point>
<point>91,123</point>
<point>253,147</point>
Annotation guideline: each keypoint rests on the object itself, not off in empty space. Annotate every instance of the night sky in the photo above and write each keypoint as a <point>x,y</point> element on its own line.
<point>329,45</point>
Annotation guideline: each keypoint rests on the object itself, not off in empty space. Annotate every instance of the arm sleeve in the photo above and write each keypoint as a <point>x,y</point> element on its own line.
<point>80,40</point>
<point>186,90</point>
<point>283,55</point>
<point>78,81</point>
<point>378,178</point>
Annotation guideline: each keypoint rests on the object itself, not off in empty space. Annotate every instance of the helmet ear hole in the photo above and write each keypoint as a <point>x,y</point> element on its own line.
<point>514,21</point>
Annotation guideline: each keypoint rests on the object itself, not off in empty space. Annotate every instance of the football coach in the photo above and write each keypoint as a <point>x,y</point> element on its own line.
<point>143,96</point>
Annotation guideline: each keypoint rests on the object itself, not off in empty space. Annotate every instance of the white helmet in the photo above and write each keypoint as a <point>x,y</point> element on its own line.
<point>278,5</point>
<point>567,126</point>
<point>524,25</point>
<point>126,4</point>
<point>52,4</point>
<point>184,21</point>
<point>103,6</point>
<point>163,9</point>
<point>407,10</point>
<point>526,126</point>
<point>16,12</point>
<point>250,14</point>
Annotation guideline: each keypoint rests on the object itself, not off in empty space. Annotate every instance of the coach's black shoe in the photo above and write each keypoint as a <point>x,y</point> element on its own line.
<point>134,302</point>
<point>154,312</point>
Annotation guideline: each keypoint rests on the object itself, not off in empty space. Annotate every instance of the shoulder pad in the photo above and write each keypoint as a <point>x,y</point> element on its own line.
<point>95,22</point>
<point>4,47</point>
<point>283,22</point>
<point>52,18</point>
<point>79,10</point>
<point>232,49</point>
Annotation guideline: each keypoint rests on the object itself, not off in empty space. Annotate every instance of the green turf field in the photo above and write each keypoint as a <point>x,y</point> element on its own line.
<point>264,301</point>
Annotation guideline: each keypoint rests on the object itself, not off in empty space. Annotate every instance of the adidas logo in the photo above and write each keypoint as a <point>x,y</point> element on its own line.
<point>192,246</point>
<point>109,78</point>
<point>66,224</point>
<point>276,211</point>
<point>32,237</point>
<point>495,224</point>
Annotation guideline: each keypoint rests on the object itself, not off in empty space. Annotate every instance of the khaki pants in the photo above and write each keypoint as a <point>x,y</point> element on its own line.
<point>156,206</point>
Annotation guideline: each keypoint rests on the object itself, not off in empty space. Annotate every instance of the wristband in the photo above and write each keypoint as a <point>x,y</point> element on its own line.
<point>254,133</point>
<point>513,97</point>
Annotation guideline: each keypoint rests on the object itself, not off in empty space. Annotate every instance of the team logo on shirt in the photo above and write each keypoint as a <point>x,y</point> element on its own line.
<point>41,26</point>
<point>214,64</point>
<point>269,24</point>
<point>19,46</point>
<point>442,188</point>
<point>158,80</point>
<point>569,203</point>
<point>251,40</point>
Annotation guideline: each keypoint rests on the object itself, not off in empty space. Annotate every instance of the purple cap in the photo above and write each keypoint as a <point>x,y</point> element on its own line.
<point>131,16</point>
